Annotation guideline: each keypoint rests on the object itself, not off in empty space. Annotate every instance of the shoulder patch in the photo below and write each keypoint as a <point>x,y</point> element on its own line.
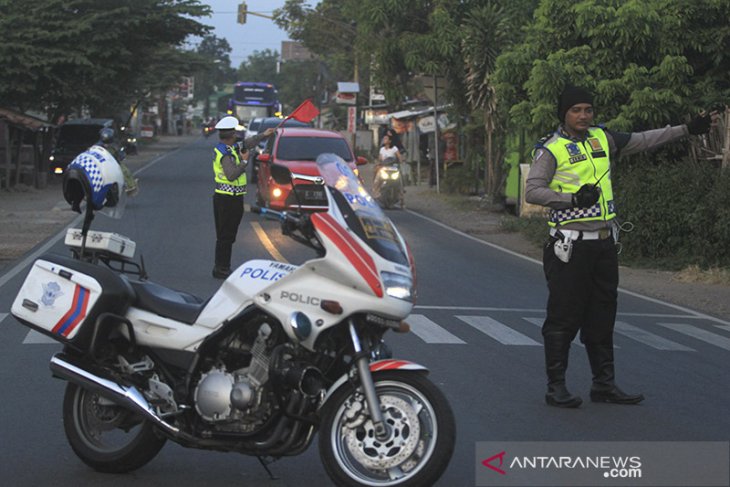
<point>544,140</point>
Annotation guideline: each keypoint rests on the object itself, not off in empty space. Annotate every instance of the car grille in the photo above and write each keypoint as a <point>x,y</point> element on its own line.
<point>309,195</point>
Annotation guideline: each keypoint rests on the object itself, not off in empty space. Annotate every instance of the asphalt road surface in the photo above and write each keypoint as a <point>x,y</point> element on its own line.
<point>476,326</point>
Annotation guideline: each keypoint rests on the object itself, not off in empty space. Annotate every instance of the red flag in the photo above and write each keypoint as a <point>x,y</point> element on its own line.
<point>306,112</point>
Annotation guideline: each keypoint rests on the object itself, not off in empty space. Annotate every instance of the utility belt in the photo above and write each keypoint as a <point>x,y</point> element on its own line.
<point>602,234</point>
<point>230,189</point>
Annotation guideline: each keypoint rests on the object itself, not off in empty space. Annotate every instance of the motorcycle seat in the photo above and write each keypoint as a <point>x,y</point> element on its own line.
<point>176,305</point>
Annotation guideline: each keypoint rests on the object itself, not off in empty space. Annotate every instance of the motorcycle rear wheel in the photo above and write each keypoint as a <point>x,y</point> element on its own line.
<point>421,442</point>
<point>107,437</point>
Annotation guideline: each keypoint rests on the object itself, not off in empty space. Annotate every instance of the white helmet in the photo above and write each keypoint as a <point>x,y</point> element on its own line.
<point>227,123</point>
<point>95,176</point>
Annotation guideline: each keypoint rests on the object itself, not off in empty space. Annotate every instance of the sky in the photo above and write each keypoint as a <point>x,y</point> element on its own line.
<point>257,34</point>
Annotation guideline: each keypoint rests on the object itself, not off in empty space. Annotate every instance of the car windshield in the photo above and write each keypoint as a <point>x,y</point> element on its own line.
<point>274,122</point>
<point>254,124</point>
<point>362,214</point>
<point>308,148</point>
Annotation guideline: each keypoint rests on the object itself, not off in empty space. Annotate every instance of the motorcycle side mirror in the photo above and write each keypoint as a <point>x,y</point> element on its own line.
<point>280,174</point>
<point>361,160</point>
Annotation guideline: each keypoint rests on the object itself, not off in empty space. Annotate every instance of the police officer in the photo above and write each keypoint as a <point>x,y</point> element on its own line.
<point>229,168</point>
<point>570,174</point>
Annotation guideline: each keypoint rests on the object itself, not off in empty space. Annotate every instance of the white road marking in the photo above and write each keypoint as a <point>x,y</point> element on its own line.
<point>650,339</point>
<point>430,332</point>
<point>502,333</point>
<point>35,338</point>
<point>540,321</point>
<point>690,312</point>
<point>699,334</point>
<point>3,316</point>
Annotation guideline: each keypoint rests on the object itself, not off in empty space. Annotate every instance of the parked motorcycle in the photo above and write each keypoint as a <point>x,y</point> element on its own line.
<point>388,184</point>
<point>277,354</point>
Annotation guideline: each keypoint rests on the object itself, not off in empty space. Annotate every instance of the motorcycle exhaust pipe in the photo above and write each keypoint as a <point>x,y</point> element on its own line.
<point>63,366</point>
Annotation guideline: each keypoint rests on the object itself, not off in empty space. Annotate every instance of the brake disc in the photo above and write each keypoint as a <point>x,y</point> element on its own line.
<point>404,431</point>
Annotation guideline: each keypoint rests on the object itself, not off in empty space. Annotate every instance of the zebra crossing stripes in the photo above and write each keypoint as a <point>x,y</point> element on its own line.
<point>649,339</point>
<point>502,333</point>
<point>430,332</point>
<point>699,334</point>
<point>540,321</point>
<point>35,338</point>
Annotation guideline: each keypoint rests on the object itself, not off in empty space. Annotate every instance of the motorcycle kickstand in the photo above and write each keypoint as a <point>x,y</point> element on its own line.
<point>265,464</point>
<point>366,379</point>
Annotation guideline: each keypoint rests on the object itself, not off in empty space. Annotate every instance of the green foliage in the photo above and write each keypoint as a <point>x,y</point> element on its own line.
<point>649,63</point>
<point>61,55</point>
<point>459,180</point>
<point>681,214</point>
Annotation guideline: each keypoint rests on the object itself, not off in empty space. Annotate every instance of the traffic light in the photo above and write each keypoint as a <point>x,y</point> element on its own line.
<point>242,9</point>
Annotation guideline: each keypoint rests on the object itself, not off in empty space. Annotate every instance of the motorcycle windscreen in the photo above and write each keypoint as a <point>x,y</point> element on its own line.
<point>362,214</point>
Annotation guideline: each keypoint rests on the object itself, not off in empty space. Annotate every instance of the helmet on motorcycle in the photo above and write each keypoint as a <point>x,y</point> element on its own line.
<point>106,135</point>
<point>227,123</point>
<point>95,176</point>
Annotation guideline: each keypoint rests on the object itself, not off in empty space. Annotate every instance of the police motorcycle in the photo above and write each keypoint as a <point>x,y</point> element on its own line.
<point>277,354</point>
<point>388,183</point>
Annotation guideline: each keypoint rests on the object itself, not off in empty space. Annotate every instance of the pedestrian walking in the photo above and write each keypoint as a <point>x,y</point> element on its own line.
<point>229,168</point>
<point>571,175</point>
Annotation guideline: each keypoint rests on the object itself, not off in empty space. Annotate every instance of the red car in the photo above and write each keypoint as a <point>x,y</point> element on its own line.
<point>298,148</point>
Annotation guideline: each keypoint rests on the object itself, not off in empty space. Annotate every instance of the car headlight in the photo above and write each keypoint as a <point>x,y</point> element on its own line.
<point>397,285</point>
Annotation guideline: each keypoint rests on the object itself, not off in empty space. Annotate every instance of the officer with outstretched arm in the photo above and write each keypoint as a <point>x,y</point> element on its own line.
<point>570,174</point>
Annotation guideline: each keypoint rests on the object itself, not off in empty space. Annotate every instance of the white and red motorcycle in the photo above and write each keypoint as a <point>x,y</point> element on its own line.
<point>277,354</point>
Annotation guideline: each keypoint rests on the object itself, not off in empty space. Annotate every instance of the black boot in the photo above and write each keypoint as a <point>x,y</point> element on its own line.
<point>557,348</point>
<point>604,389</point>
<point>221,272</point>
<point>222,268</point>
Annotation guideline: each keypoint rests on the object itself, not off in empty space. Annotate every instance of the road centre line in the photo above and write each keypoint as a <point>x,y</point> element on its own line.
<point>535,261</point>
<point>267,243</point>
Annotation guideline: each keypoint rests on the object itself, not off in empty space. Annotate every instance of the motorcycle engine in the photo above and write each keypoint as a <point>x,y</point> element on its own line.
<point>236,400</point>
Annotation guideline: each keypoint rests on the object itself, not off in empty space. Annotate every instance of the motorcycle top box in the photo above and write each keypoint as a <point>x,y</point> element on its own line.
<point>63,297</point>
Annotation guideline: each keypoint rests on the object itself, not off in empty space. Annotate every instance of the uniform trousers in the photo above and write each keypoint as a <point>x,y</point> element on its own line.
<point>582,292</point>
<point>583,295</point>
<point>228,213</point>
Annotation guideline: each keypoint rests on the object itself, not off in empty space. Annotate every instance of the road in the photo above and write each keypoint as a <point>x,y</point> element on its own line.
<point>476,327</point>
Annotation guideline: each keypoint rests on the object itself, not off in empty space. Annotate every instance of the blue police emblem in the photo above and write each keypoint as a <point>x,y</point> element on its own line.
<point>573,149</point>
<point>51,291</point>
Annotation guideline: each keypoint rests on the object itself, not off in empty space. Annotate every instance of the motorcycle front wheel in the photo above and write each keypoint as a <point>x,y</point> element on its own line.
<point>421,434</point>
<point>107,437</point>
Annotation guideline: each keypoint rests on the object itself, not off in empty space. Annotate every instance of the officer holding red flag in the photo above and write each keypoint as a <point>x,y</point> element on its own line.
<point>229,168</point>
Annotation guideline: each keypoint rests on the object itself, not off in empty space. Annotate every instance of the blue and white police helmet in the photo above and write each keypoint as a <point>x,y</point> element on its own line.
<point>96,177</point>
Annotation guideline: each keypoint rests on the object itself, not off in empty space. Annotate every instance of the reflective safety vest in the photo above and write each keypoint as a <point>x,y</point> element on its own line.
<point>222,184</point>
<point>579,163</point>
